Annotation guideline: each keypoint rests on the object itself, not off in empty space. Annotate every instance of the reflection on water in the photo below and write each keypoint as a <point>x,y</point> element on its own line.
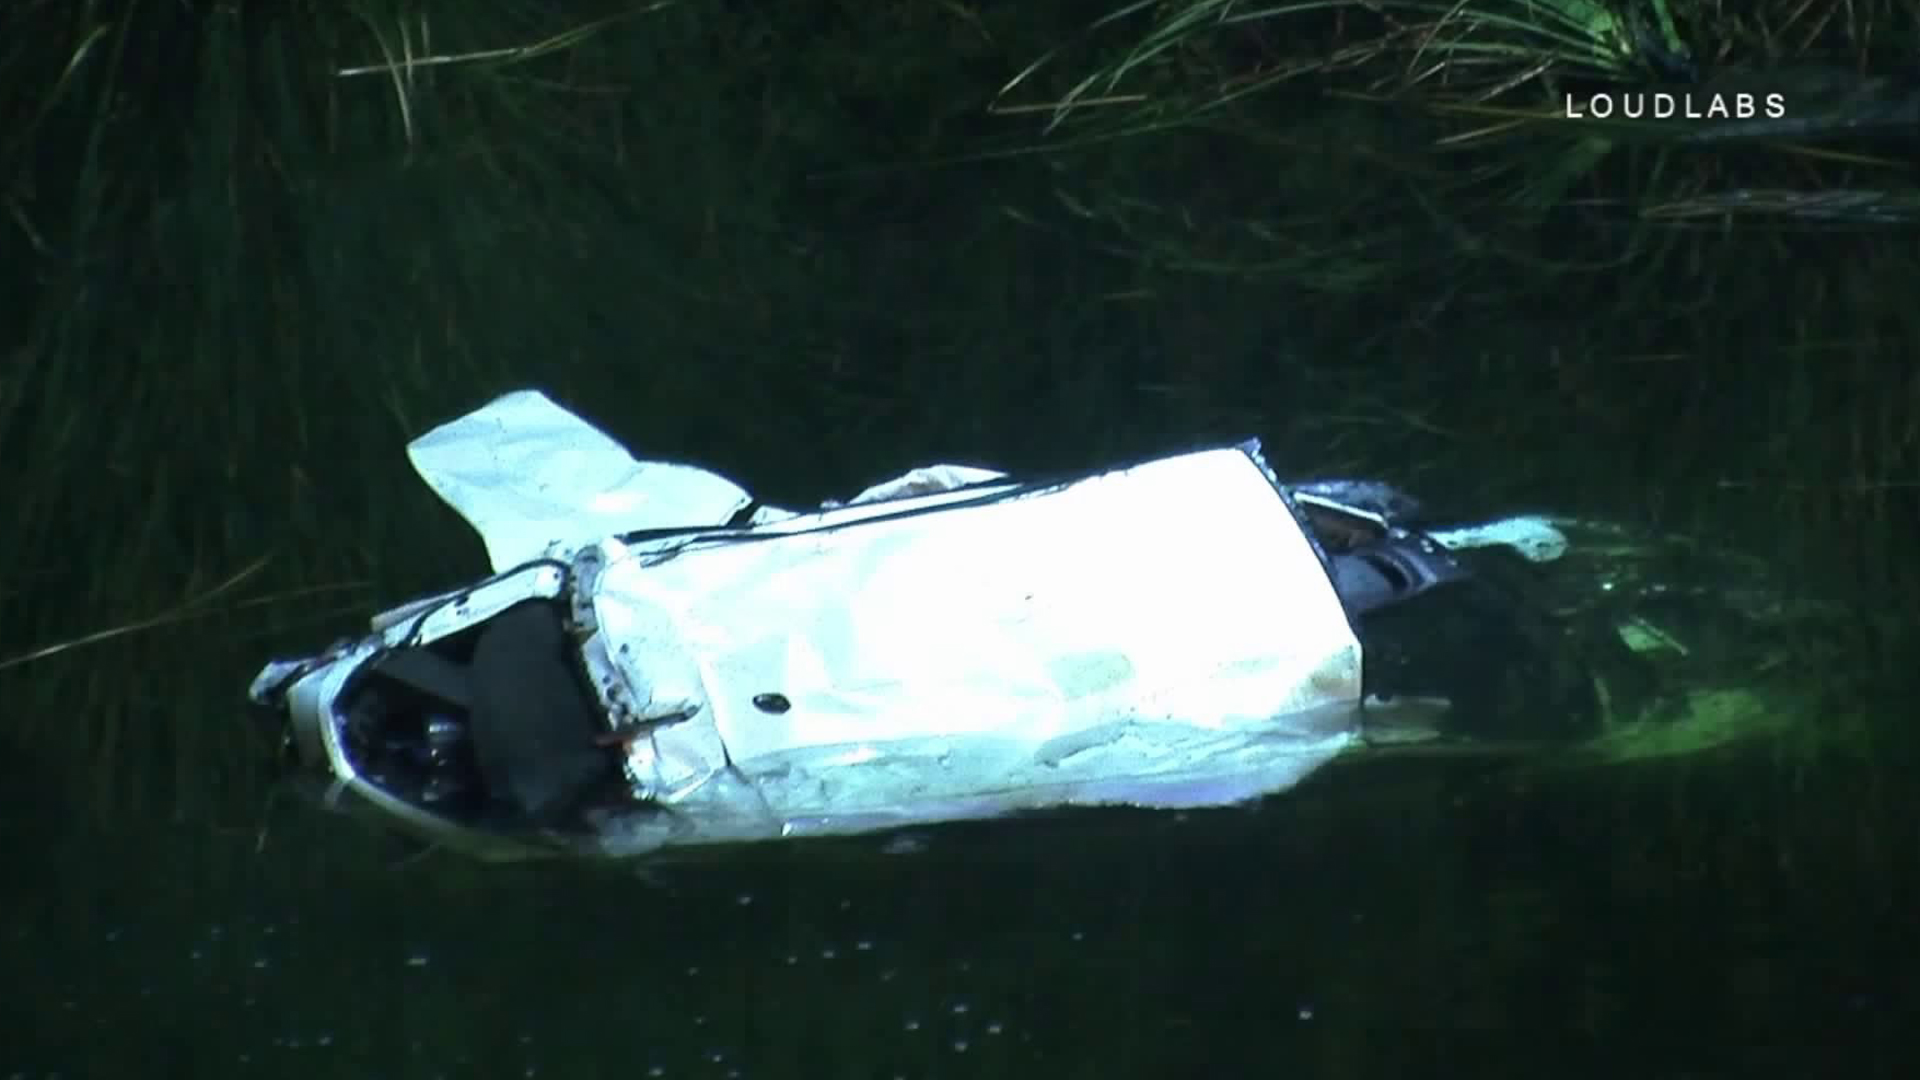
<point>1404,925</point>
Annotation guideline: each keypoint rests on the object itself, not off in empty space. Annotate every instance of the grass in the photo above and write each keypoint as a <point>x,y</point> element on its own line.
<point>252,252</point>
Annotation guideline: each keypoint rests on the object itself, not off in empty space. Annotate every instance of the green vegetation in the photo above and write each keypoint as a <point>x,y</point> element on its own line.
<point>254,248</point>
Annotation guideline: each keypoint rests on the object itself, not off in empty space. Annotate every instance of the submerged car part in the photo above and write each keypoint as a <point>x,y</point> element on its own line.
<point>654,670</point>
<point>660,661</point>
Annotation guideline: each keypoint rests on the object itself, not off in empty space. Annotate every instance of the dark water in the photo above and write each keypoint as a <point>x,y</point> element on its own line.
<point>1402,920</point>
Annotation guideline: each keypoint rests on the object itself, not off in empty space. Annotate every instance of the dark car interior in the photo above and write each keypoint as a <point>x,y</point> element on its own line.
<point>492,726</point>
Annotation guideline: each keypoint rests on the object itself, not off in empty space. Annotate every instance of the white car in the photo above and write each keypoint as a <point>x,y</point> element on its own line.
<point>657,660</point>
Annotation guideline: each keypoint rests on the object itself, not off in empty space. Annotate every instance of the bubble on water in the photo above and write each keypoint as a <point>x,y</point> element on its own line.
<point>960,1046</point>
<point>744,899</point>
<point>961,1008</point>
<point>912,1025</point>
<point>829,953</point>
<point>863,945</point>
<point>995,1028</point>
<point>417,960</point>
